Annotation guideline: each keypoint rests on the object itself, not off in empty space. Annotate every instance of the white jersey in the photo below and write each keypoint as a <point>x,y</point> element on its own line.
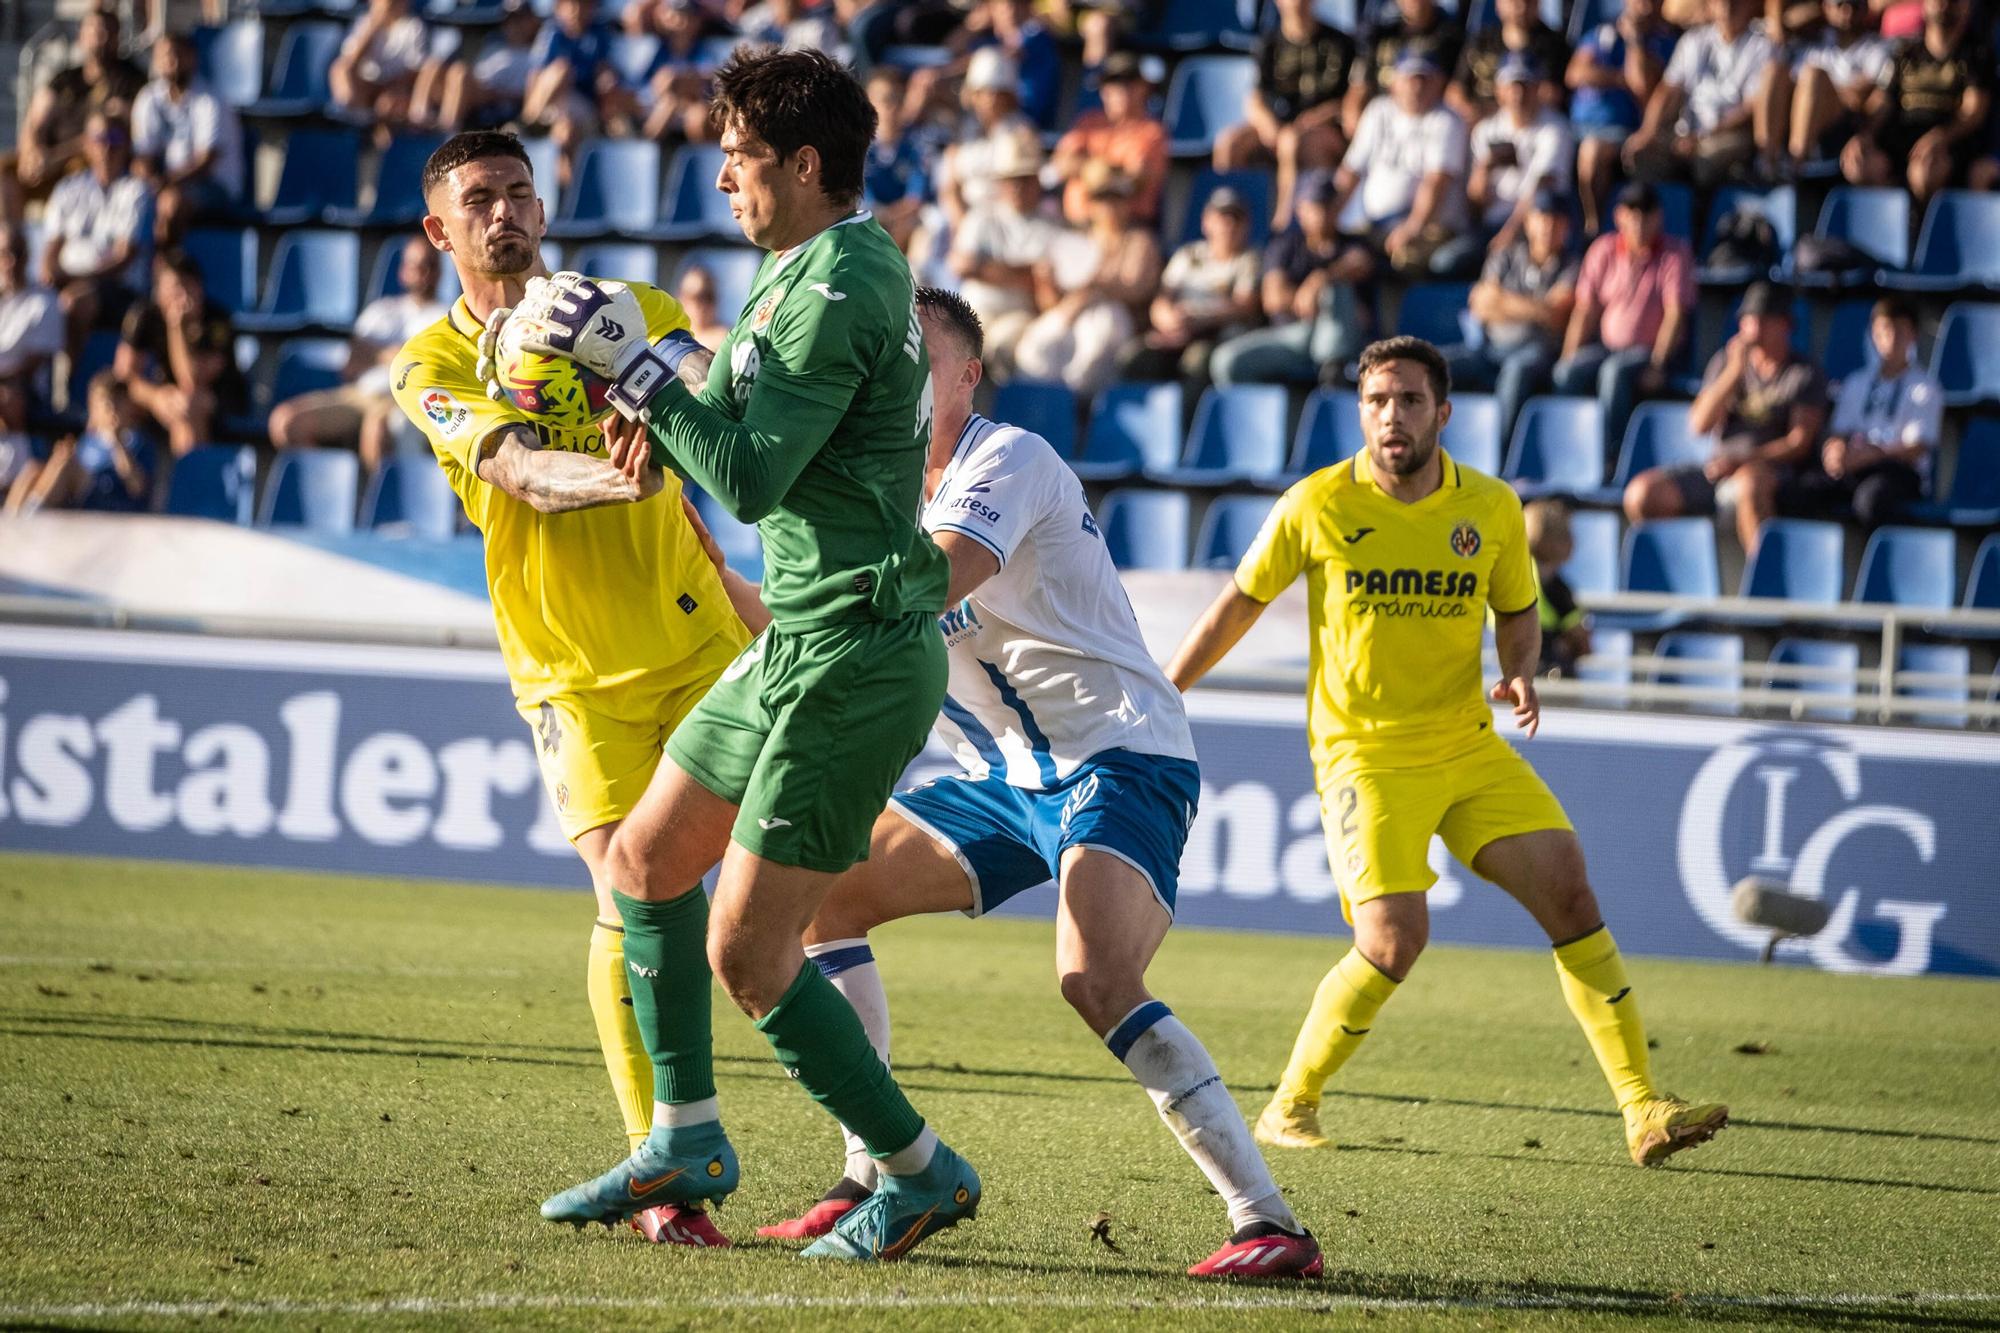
<point>1048,667</point>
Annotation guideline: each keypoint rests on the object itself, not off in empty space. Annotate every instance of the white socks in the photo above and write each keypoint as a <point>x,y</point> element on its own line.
<point>850,966</point>
<point>674,1115</point>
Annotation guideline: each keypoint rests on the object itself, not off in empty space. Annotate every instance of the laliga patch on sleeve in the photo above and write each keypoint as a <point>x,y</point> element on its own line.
<point>446,412</point>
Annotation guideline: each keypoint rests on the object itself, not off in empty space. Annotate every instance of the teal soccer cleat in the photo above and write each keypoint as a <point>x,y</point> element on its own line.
<point>903,1210</point>
<point>672,1166</point>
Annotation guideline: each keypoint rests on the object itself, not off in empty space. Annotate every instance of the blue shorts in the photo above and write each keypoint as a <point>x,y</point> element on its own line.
<point>1137,807</point>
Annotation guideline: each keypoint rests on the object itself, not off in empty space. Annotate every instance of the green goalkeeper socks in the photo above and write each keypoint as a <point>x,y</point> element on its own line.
<point>817,1038</point>
<point>666,965</point>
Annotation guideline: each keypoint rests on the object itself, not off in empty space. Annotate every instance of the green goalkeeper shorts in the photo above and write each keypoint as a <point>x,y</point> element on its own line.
<point>808,732</point>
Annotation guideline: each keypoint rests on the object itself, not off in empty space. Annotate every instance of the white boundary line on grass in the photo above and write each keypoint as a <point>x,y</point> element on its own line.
<point>1305,1298</point>
<point>294,970</point>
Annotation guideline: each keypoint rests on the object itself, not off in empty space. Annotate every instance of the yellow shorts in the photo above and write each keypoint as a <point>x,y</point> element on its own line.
<point>598,750</point>
<point>1379,821</point>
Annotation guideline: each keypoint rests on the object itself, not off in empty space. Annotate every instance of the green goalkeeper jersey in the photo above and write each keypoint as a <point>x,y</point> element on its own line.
<point>815,424</point>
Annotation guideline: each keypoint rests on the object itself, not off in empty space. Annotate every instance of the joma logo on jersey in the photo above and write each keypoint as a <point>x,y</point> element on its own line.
<point>1413,582</point>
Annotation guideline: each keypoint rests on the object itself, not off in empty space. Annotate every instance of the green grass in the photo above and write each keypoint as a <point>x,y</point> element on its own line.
<point>332,1103</point>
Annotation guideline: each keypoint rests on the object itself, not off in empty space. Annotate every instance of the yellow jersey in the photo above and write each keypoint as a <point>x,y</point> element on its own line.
<point>1398,596</point>
<point>584,602</point>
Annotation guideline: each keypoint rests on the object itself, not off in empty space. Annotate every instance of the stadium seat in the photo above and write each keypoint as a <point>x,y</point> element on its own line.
<point>1472,436</point>
<point>910,59</point>
<point>1133,428</point>
<point>1585,15</point>
<point>1982,585</point>
<point>1146,529</point>
<point>1558,447</point>
<point>1329,431</point>
<point>1908,567</point>
<point>544,164</point>
<point>1431,311</point>
<point>385,280</point>
<point>1675,556</point>
<point>1822,655</point>
<point>313,489</point>
<point>1044,407</point>
<point>1238,435</point>
<point>299,80</point>
<point>1194,25</point>
<point>1701,661</point>
<point>306,365</point>
<point>231,60</point>
<point>1228,528</point>
<point>616,190</point>
<point>214,481</point>
<point>1969,376</point>
<point>740,543</point>
<point>1613,648</point>
<point>690,204</point>
<point>1779,206</point>
<point>1797,560</point>
<point>1848,348</point>
<point>1257,189</point>
<point>318,177</point>
<point>1937,659</point>
<point>410,495</point>
<point>1592,567</point>
<point>1656,435</point>
<point>629,261</point>
<point>315,280</point>
<point>734,269</point>
<point>632,55</point>
<point>100,349</point>
<point>1974,499</point>
<point>399,194</point>
<point>227,257</point>
<point>1676,207</point>
<point>1874,220</point>
<point>1204,97</point>
<point>1957,247</point>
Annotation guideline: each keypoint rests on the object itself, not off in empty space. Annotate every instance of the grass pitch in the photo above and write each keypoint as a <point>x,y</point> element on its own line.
<point>300,1101</point>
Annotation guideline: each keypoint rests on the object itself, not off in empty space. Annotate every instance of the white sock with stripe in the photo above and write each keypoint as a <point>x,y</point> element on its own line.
<point>1175,1070</point>
<point>850,966</point>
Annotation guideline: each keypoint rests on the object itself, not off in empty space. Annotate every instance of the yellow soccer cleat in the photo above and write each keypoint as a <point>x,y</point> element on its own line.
<point>1289,1124</point>
<point>1659,1127</point>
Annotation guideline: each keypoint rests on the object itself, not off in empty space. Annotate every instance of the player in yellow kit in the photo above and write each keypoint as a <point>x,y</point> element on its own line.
<point>612,615</point>
<point>1404,552</point>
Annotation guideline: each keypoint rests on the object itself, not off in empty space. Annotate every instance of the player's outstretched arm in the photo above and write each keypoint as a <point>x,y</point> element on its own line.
<point>1518,637</point>
<point>1220,628</point>
<point>555,481</point>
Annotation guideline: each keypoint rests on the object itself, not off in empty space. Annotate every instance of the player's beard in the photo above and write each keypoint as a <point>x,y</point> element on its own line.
<point>505,256</point>
<point>1421,449</point>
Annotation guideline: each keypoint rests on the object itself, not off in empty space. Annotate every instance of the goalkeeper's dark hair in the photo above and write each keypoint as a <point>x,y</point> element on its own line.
<point>472,146</point>
<point>1391,350</point>
<point>956,315</point>
<point>790,99</point>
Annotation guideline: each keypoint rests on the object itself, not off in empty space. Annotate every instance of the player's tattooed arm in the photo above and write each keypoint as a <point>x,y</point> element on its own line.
<point>694,366</point>
<point>555,481</point>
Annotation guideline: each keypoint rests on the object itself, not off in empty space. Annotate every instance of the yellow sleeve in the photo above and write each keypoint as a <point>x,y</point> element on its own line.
<point>1278,555</point>
<point>449,405</point>
<point>663,312</point>
<point>1513,585</point>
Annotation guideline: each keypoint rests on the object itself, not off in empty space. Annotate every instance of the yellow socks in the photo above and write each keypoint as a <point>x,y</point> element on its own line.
<point>1598,992</point>
<point>625,1057</point>
<point>1343,1009</point>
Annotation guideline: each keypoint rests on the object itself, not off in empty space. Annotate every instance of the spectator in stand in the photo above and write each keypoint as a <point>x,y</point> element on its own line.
<point>376,73</point>
<point>358,414</point>
<point>1090,289</point>
<point>895,178</point>
<point>1611,80</point>
<point>177,356</point>
<point>1714,111</point>
<point>1523,302</point>
<point>99,232</point>
<point>995,252</point>
<point>1879,454</point>
<point>1765,408</point>
<point>1292,116</point>
<point>31,333</point>
<point>189,140</point>
<point>1925,119</point>
<point>1404,174</point>
<point>489,89</point>
<point>1012,26</point>
<point>51,144</point>
<point>967,179</point>
<point>792,24</point>
<point>1414,27</point>
<point>575,90</point>
<point>1519,34</point>
<point>697,295</point>
<point>1634,306</point>
<point>1565,631</point>
<point>1823,94</point>
<point>1207,294</point>
<point>677,85</point>
<point>1124,135</point>
<point>110,469</point>
<point>1317,322</point>
<point>1519,151</point>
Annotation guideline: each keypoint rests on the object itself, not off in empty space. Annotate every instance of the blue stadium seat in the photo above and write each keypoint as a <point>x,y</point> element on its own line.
<point>1873,220</point>
<point>632,55</point>
<point>306,365</point>
<point>1472,436</point>
<point>1669,555</point>
<point>544,164</point>
<point>100,349</point>
<point>315,279</point>
<point>318,177</point>
<point>616,190</point>
<point>1329,431</point>
<point>299,80</point>
<point>1592,566</point>
<point>1969,376</point>
<point>1676,207</point>
<point>690,204</point>
<point>1558,447</point>
<point>1431,311</point>
<point>1145,529</point>
<point>1195,25</point>
<point>1704,661</point>
<point>1780,208</point>
<point>399,195</point>
<point>1797,560</point>
<point>1908,567</point>
<point>214,481</point>
<point>1847,346</point>
<point>231,60</point>
<point>1957,247</point>
<point>1204,97</point>
<point>1228,528</point>
<point>227,257</point>
<point>1937,659</point>
<point>1238,435</point>
<point>1974,500</point>
<point>741,545</point>
<point>1044,407</point>
<point>734,269</point>
<point>1258,189</point>
<point>910,59</point>
<point>311,488</point>
<point>410,495</point>
<point>1822,655</point>
<point>1656,435</point>
<point>1133,428</point>
<point>1982,585</point>
<point>1614,647</point>
<point>385,280</point>
<point>628,261</point>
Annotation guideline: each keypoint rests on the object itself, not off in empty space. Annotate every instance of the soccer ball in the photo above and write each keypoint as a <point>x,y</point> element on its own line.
<point>552,390</point>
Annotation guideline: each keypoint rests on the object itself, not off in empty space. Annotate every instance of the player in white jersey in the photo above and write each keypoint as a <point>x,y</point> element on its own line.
<point>1079,767</point>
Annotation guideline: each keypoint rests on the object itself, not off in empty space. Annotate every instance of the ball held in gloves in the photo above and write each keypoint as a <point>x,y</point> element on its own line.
<point>553,390</point>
